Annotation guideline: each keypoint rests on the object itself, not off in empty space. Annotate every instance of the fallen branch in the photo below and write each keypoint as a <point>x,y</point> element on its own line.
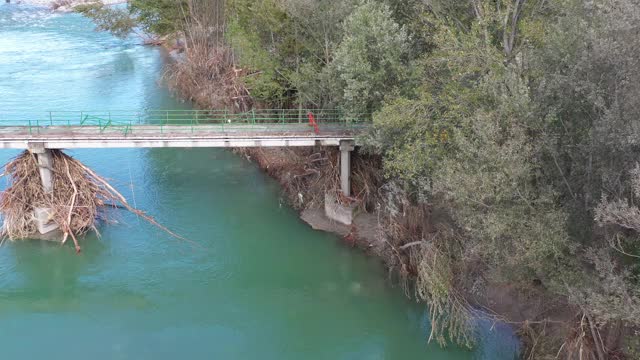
<point>73,202</point>
<point>75,205</point>
<point>123,202</point>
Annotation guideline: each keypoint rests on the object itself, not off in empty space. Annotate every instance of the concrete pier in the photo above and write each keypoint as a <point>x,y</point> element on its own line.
<point>346,147</point>
<point>42,216</point>
<point>45,165</point>
<point>43,221</point>
<point>335,211</point>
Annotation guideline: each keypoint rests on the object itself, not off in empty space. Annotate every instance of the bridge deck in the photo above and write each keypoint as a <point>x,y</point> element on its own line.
<point>176,128</point>
<point>152,136</point>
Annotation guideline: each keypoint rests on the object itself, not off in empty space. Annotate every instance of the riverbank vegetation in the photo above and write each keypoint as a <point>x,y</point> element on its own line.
<point>507,132</point>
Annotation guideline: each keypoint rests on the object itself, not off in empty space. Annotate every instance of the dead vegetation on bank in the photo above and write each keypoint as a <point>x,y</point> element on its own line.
<point>207,73</point>
<point>207,76</point>
<point>307,174</point>
<point>79,199</point>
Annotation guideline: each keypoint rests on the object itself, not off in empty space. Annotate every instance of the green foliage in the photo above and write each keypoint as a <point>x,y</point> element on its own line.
<point>414,135</point>
<point>115,20</point>
<point>260,34</point>
<point>287,46</point>
<point>160,17</point>
<point>633,345</point>
<point>371,60</point>
<point>153,17</point>
<point>537,128</point>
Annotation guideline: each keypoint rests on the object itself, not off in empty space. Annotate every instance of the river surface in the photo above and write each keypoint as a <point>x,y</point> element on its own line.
<point>258,283</point>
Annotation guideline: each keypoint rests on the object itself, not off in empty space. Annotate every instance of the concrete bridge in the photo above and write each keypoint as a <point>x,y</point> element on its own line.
<point>40,132</point>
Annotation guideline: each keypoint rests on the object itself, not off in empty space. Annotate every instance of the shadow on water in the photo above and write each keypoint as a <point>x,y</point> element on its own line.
<point>44,277</point>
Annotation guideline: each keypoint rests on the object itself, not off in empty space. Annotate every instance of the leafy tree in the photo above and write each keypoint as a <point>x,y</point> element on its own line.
<point>260,33</point>
<point>318,30</point>
<point>145,17</point>
<point>371,61</point>
<point>538,102</point>
<point>117,21</point>
<point>160,17</point>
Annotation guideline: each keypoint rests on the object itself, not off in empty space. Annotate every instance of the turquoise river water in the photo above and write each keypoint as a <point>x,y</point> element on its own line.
<point>259,284</point>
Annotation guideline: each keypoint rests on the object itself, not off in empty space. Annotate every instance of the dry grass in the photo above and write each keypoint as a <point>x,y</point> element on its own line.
<point>426,256</point>
<point>76,204</point>
<point>207,76</point>
<point>307,174</point>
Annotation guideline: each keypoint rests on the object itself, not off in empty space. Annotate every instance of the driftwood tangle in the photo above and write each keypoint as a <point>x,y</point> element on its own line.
<point>75,205</point>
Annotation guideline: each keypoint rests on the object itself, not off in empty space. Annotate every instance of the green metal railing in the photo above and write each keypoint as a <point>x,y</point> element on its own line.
<point>191,120</point>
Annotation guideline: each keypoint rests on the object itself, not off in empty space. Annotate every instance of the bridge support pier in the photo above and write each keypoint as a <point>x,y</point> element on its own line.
<point>45,166</point>
<point>333,208</point>
<point>346,147</point>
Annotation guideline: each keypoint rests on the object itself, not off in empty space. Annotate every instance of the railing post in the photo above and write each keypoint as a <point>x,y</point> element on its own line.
<point>50,118</point>
<point>253,118</point>
<point>283,120</point>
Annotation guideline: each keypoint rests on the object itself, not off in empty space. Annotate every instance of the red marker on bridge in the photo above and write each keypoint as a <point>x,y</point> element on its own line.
<point>312,122</point>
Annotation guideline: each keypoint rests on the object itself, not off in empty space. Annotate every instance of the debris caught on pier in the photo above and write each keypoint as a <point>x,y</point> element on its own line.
<point>79,199</point>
